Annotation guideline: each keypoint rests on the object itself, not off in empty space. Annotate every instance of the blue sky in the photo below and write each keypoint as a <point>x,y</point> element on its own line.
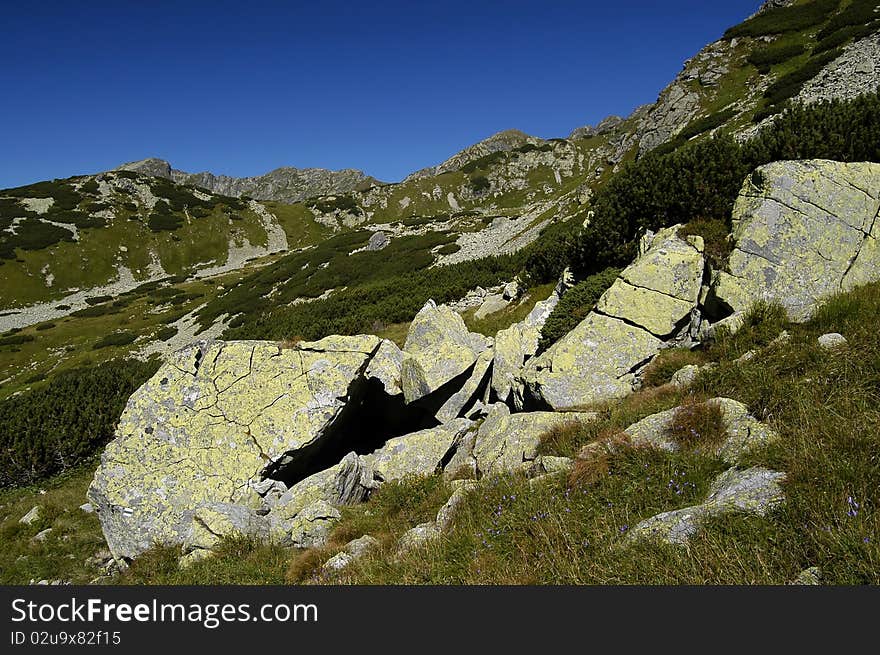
<point>244,87</point>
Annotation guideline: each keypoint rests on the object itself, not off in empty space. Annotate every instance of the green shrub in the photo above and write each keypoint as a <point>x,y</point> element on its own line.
<point>574,306</point>
<point>484,162</point>
<point>32,234</point>
<point>159,222</point>
<point>98,300</point>
<point>841,36</point>
<point>449,249</point>
<point>702,179</point>
<point>765,58</point>
<point>784,19</point>
<point>858,13</point>
<point>115,339</point>
<point>165,333</point>
<point>480,183</point>
<point>789,85</point>
<point>716,241</point>
<point>47,430</point>
<point>16,340</point>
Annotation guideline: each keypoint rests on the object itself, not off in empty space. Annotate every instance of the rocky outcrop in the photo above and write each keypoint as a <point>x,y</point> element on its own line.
<point>217,418</point>
<point>514,346</point>
<point>652,300</point>
<point>284,184</point>
<point>754,491</point>
<point>438,349</point>
<point>743,432</point>
<point>803,230</point>
<point>499,142</point>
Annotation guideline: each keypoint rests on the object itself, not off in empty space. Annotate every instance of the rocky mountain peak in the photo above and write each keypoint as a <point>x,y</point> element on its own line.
<point>150,166</point>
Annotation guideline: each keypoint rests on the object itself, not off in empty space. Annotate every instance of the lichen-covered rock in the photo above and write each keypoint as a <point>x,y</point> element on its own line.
<point>438,349</point>
<point>447,512</point>
<point>493,303</point>
<point>743,431</point>
<point>306,528</point>
<point>685,376</point>
<point>594,362</point>
<point>753,491</point>
<point>508,442</point>
<point>352,551</point>
<point>417,537</point>
<point>419,453</point>
<point>805,230</point>
<point>660,289</point>
<point>212,522</point>
<point>653,299</point>
<point>385,366</point>
<point>210,423</point>
<point>832,341</point>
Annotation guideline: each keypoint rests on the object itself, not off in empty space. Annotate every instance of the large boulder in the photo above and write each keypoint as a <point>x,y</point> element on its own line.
<point>803,230</point>
<point>754,491</point>
<point>216,419</point>
<point>651,301</point>
<point>742,431</point>
<point>438,349</point>
<point>508,442</point>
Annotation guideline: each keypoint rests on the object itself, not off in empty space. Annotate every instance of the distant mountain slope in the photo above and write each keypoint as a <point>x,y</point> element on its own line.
<point>286,184</point>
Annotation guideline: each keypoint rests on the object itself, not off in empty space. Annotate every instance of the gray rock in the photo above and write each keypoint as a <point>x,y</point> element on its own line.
<point>685,376</point>
<point>492,304</point>
<point>308,528</point>
<point>87,508</point>
<point>744,432</point>
<point>753,491</point>
<point>42,535</point>
<point>378,241</point>
<point>597,361</point>
<point>418,537</point>
<point>438,349</point>
<point>447,513</point>
<point>473,390</point>
<point>352,551</point>
<point>808,577</point>
<point>217,417</point>
<point>32,515</point>
<point>832,341</point>
<point>511,291</point>
<point>508,442</point>
<point>420,453</point>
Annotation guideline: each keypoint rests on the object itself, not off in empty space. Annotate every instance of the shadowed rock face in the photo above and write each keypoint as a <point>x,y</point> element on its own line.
<point>804,230</point>
<point>438,349</point>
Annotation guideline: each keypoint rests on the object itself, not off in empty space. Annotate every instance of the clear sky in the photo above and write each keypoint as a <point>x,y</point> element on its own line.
<point>244,87</point>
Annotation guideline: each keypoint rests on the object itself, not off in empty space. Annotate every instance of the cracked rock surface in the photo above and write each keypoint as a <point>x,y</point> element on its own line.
<point>652,298</point>
<point>210,422</point>
<point>805,230</point>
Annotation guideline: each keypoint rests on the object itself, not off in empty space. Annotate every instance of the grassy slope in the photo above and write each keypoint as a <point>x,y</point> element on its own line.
<point>824,405</point>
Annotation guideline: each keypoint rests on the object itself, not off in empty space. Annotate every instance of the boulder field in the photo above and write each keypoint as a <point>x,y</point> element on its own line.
<point>269,440</point>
